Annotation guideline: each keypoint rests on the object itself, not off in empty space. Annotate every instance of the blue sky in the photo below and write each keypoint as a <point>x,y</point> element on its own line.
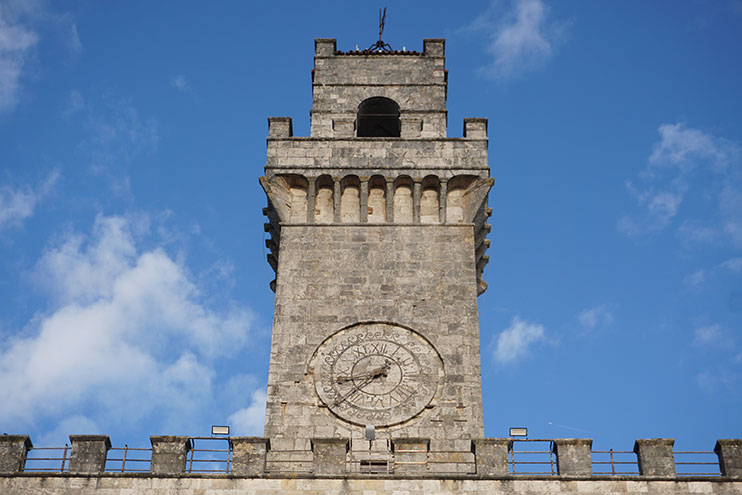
<point>134,293</point>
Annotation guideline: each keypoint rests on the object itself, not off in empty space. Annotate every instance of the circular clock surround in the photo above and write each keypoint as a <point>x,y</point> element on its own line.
<point>376,373</point>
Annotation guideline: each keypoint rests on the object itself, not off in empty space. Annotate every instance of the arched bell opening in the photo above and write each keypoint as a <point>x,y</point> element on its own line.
<point>378,117</point>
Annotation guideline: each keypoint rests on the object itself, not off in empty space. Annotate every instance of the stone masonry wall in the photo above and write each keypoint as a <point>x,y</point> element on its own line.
<point>225,485</point>
<point>418,276</point>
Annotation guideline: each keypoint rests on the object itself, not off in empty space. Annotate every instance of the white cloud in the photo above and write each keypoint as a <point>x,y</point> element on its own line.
<point>723,379</point>
<point>16,43</point>
<point>18,203</point>
<point>250,420</point>
<point>733,265</point>
<point>685,148</point>
<point>520,39</point>
<point>514,342</point>
<point>129,336</point>
<point>695,279</point>
<point>115,136</point>
<point>77,424</point>
<point>596,317</point>
<point>23,25</point>
<point>180,82</point>
<point>75,103</point>
<point>689,161</point>
<point>710,334</point>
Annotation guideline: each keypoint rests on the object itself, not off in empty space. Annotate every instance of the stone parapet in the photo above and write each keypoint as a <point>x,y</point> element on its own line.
<point>574,456</point>
<point>491,456</point>
<point>377,155</point>
<point>89,453</point>
<point>330,455</point>
<point>730,457</point>
<point>169,454</point>
<point>655,456</point>
<point>13,451</point>
<point>249,455</point>
<point>410,455</point>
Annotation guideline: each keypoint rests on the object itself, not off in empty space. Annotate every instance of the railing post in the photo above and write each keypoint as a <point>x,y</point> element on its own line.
<point>491,456</point>
<point>329,455</point>
<point>613,465</point>
<point>64,458</point>
<point>410,454</point>
<point>89,453</point>
<point>169,454</point>
<point>655,457</point>
<point>573,456</point>
<point>248,455</point>
<point>13,451</point>
<point>730,457</point>
<point>123,458</point>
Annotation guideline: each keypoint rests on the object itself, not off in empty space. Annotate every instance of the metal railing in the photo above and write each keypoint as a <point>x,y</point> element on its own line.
<point>615,463</point>
<point>696,463</point>
<point>526,457</point>
<point>43,459</point>
<point>523,461</point>
<point>209,460</point>
<point>130,455</point>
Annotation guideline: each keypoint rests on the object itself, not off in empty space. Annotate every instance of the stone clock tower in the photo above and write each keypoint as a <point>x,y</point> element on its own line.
<point>377,232</point>
<point>377,226</point>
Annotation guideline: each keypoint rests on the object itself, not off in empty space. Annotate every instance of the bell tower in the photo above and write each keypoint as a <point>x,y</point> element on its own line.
<point>377,226</point>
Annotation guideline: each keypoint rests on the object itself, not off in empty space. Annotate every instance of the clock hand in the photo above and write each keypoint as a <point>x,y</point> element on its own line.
<point>381,370</point>
<point>353,392</point>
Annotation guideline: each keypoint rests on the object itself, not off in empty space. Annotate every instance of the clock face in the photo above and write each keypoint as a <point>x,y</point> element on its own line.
<point>377,373</point>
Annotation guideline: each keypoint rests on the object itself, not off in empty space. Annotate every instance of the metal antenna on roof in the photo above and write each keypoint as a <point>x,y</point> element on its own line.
<point>380,46</point>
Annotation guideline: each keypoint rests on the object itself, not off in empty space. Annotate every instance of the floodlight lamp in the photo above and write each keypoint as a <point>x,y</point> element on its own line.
<point>220,430</point>
<point>370,432</point>
<point>519,432</point>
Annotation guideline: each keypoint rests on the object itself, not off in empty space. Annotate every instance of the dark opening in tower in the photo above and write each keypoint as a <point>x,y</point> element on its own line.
<point>378,117</point>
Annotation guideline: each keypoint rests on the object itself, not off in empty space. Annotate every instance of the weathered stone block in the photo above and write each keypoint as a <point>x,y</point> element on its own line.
<point>730,457</point>
<point>89,453</point>
<point>280,127</point>
<point>475,128</point>
<point>410,455</point>
<point>655,456</point>
<point>434,47</point>
<point>330,455</point>
<point>324,47</point>
<point>491,456</point>
<point>574,456</point>
<point>169,454</point>
<point>13,451</point>
<point>248,455</point>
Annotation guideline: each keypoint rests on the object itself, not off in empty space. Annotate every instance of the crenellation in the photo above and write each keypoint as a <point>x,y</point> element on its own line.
<point>89,453</point>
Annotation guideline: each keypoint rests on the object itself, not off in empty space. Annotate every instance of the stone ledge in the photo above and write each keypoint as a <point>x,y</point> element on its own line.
<point>391,476</point>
